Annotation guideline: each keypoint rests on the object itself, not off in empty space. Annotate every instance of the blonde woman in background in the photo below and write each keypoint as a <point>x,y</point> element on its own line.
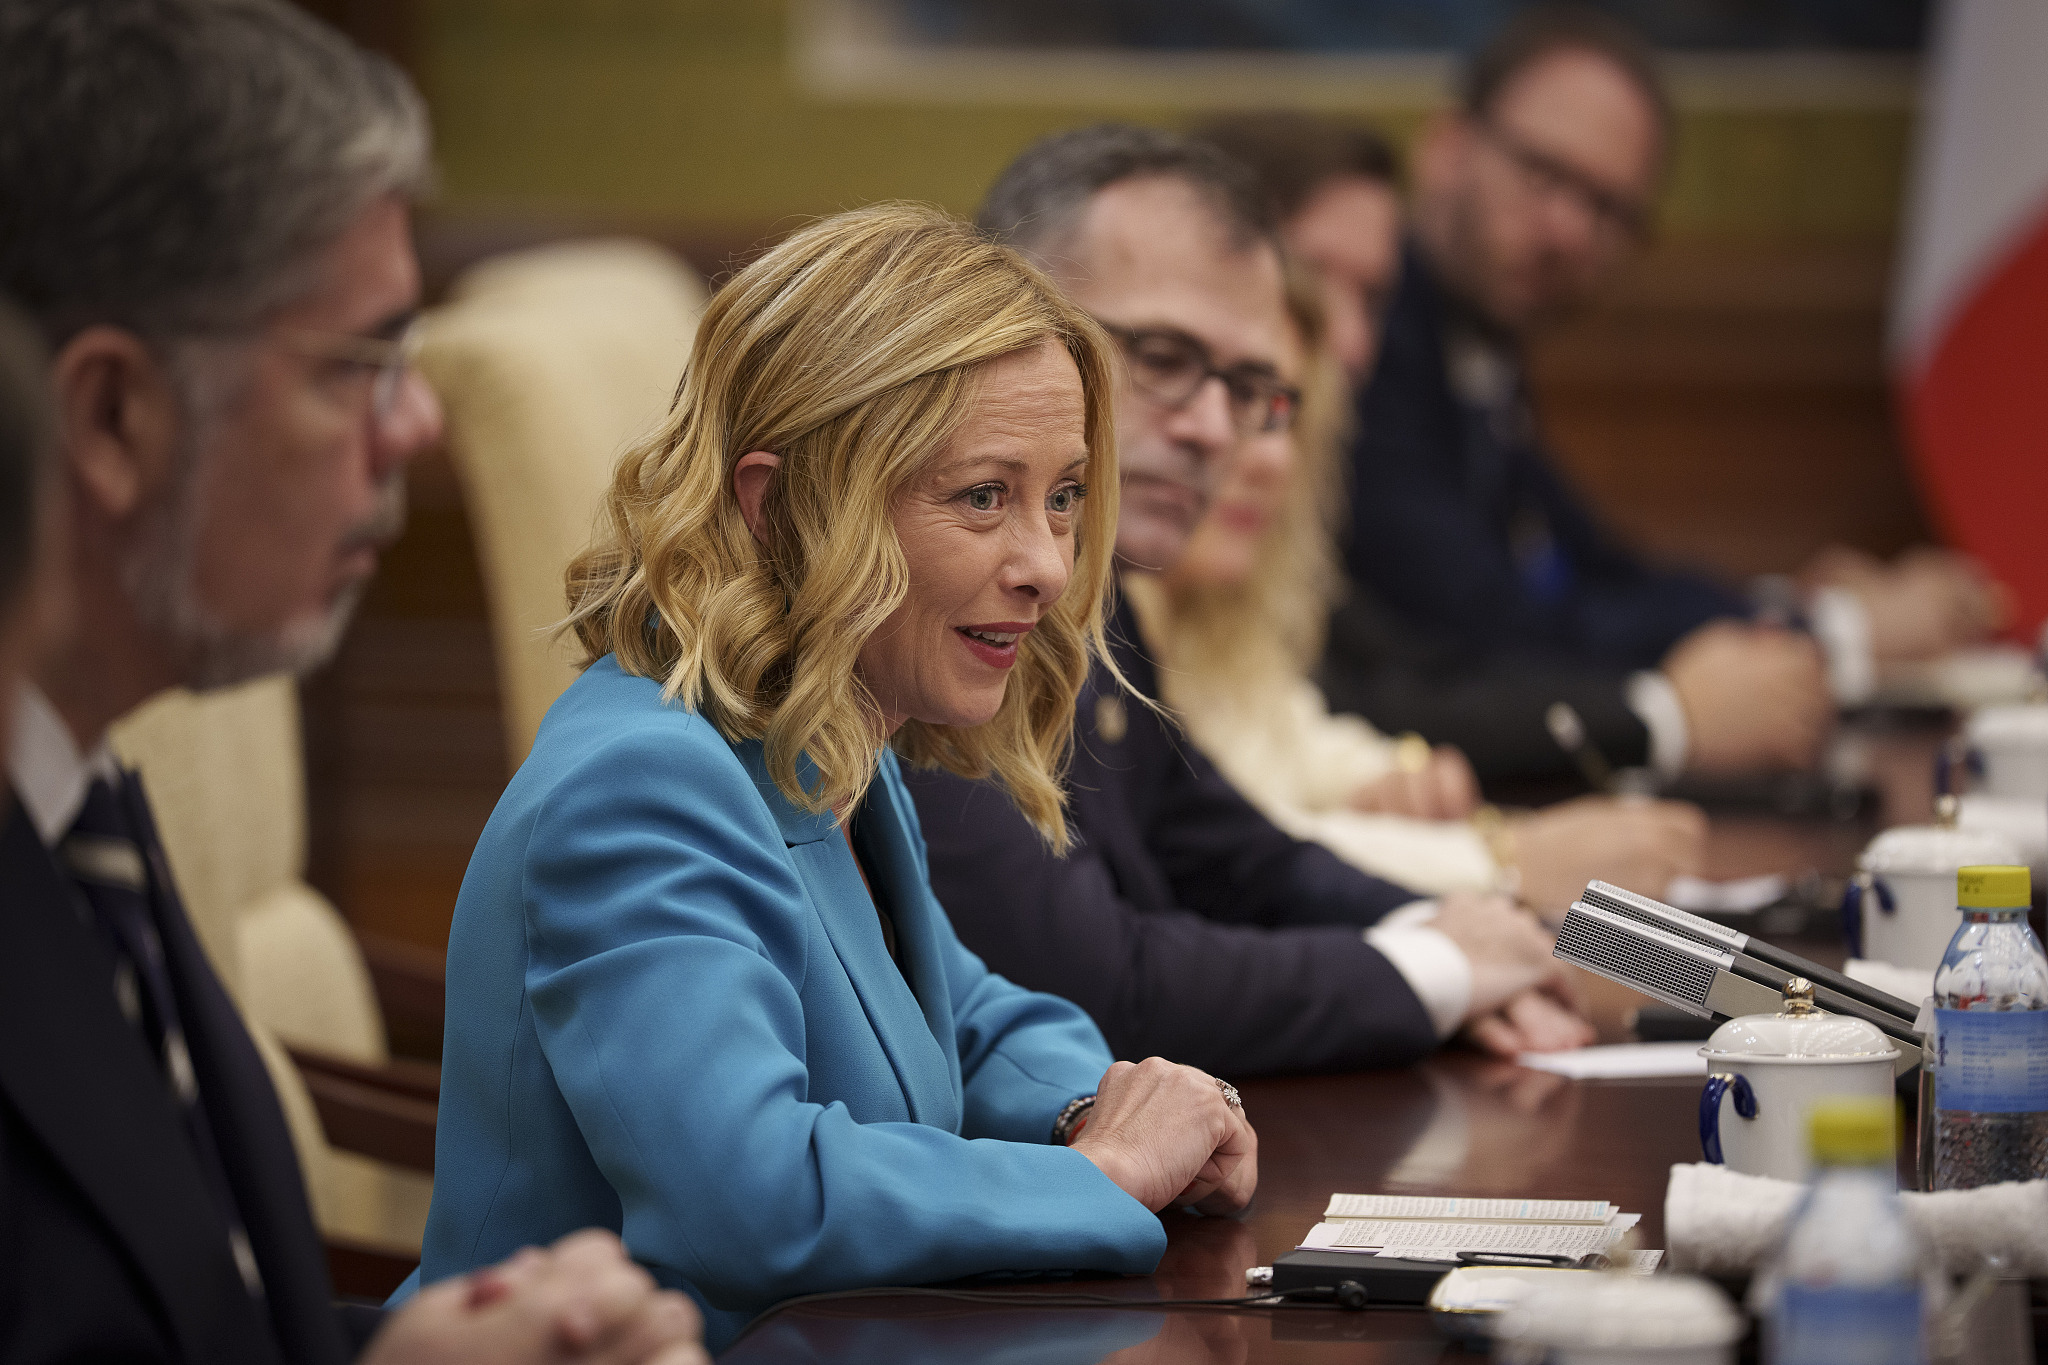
<point>1236,626</point>
<point>699,990</point>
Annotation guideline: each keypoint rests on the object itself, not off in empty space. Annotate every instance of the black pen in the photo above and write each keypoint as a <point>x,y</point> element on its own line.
<point>1565,726</point>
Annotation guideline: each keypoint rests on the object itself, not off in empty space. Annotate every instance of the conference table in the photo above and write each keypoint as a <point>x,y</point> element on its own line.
<point>1458,1123</point>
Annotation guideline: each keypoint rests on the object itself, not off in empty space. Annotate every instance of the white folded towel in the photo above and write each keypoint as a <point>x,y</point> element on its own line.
<point>1721,1222</point>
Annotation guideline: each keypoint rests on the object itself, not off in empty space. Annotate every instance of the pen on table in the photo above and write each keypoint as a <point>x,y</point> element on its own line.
<point>1563,722</point>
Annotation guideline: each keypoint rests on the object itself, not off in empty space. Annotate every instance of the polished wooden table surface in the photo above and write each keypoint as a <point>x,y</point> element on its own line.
<point>1457,1124</point>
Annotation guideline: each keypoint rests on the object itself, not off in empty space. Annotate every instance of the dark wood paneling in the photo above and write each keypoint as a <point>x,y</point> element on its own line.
<point>365,1271</point>
<point>1728,405</point>
<point>405,751</point>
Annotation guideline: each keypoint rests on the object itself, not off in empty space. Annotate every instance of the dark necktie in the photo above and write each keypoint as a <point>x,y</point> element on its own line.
<point>105,854</point>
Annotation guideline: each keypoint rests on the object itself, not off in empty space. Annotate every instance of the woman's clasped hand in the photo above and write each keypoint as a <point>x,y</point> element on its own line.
<point>1165,1134</point>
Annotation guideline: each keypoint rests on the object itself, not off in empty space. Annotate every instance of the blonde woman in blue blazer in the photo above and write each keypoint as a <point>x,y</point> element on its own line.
<point>699,990</point>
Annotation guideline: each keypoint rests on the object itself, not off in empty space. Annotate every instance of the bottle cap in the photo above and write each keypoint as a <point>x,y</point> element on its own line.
<point>1852,1130</point>
<point>1994,888</point>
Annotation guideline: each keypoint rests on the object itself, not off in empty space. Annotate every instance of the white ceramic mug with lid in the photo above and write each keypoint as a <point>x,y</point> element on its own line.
<point>1764,1071</point>
<point>2008,745</point>
<point>1901,908</point>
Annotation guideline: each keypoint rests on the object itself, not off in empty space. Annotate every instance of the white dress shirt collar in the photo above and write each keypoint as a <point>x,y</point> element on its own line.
<point>49,775</point>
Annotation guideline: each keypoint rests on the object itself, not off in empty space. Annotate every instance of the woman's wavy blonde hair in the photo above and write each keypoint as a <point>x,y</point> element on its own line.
<point>853,350</point>
<point>1240,640</point>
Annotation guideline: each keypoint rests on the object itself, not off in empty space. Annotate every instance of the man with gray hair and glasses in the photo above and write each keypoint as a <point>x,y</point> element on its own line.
<point>204,207</point>
<point>1186,923</point>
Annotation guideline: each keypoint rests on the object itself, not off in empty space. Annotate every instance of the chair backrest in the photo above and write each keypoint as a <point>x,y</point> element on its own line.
<point>549,363</point>
<point>227,784</point>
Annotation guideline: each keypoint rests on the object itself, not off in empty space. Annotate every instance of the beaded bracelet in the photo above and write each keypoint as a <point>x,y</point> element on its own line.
<point>1072,1120</point>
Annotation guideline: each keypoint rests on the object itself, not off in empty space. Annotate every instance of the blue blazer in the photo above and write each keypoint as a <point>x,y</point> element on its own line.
<point>671,1012</point>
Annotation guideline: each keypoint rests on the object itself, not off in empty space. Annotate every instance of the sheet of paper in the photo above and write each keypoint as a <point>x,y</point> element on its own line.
<point>1454,1210</point>
<point>1621,1061</point>
<point>1426,1241</point>
<point>1743,896</point>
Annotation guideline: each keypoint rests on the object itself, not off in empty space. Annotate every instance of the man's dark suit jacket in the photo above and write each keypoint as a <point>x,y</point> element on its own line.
<point>1461,523</point>
<point>1182,920</point>
<point>1494,709</point>
<point>112,1246</point>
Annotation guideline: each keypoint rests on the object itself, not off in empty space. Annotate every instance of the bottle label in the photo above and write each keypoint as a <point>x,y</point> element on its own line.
<point>1819,1325</point>
<point>1991,1062</point>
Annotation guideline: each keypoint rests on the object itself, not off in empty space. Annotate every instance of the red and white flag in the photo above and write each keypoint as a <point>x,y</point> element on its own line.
<point>1969,337</point>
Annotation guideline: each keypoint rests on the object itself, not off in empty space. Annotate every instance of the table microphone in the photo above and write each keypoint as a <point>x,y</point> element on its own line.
<point>1693,976</point>
<point>1832,990</point>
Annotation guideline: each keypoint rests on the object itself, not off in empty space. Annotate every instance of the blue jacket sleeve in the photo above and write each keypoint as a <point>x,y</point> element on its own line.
<point>1023,1054</point>
<point>667,950</point>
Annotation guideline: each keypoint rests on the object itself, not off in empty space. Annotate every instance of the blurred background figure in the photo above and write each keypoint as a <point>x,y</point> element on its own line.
<point>1237,624</point>
<point>1336,187</point>
<point>1527,196</point>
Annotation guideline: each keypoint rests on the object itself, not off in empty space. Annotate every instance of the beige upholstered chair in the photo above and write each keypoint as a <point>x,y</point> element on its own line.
<point>549,362</point>
<point>226,783</point>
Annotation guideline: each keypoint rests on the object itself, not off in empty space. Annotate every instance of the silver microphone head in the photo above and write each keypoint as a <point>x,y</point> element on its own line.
<point>1642,909</point>
<point>1676,970</point>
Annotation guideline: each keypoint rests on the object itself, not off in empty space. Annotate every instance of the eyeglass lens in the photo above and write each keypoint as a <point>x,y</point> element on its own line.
<point>1172,371</point>
<point>391,374</point>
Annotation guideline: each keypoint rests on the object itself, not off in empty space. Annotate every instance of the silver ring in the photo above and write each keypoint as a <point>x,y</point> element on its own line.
<point>1230,1095</point>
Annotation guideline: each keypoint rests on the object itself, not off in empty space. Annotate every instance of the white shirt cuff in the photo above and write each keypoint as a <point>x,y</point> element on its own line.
<point>1655,701</point>
<point>1434,967</point>
<point>1841,623</point>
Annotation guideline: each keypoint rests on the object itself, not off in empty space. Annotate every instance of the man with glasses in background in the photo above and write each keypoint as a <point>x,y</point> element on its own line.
<point>1528,195</point>
<point>1183,921</point>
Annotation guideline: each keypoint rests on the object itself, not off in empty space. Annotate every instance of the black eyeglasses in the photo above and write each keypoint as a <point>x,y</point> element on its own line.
<point>1615,214</point>
<point>1170,368</point>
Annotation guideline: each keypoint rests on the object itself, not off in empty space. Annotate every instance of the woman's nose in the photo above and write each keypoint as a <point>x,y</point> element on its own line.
<point>1040,565</point>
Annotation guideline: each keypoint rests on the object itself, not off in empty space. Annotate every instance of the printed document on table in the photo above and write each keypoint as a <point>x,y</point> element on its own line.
<point>1620,1061</point>
<point>1443,1241</point>
<point>1422,1208</point>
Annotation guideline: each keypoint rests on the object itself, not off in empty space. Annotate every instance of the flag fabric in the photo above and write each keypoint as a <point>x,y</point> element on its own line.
<point>1969,334</point>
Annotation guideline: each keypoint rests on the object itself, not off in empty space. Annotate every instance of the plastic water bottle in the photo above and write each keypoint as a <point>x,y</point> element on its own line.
<point>1991,1038</point>
<point>1846,1286</point>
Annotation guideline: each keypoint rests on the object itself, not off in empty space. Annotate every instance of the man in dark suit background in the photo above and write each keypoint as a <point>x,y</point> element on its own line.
<point>204,208</point>
<point>1184,921</point>
<point>1336,190</point>
<point>1529,194</point>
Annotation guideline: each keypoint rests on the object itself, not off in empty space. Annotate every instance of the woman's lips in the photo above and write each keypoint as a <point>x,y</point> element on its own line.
<point>994,644</point>
<point>1242,517</point>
